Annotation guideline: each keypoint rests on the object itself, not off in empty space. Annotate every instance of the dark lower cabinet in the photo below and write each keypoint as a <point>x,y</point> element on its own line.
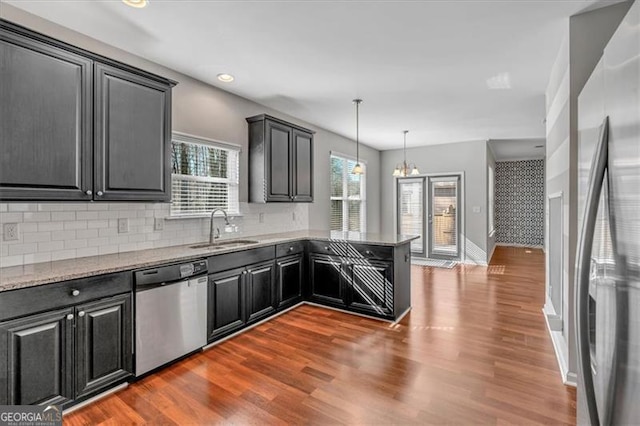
<point>104,349</point>
<point>326,280</point>
<point>226,305</point>
<point>289,273</point>
<point>36,359</point>
<point>261,291</point>
<point>370,287</point>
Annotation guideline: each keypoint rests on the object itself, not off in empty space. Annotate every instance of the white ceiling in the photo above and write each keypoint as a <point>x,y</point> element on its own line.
<point>418,65</point>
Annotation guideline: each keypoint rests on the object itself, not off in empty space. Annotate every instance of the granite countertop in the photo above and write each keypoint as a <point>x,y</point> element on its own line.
<point>17,277</point>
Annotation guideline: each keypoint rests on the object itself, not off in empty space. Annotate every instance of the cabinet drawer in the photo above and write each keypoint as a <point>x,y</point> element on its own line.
<point>223,262</point>
<point>347,249</point>
<point>374,252</point>
<point>287,249</point>
<point>44,297</point>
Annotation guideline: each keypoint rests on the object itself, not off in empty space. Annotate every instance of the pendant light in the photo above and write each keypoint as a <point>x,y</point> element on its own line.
<point>402,170</point>
<point>357,169</point>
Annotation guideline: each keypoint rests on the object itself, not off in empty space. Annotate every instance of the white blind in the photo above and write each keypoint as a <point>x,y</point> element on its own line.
<point>411,214</point>
<point>348,212</point>
<point>203,178</point>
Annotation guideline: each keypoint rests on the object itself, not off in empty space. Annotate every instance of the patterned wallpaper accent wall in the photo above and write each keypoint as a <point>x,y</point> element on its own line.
<point>519,205</point>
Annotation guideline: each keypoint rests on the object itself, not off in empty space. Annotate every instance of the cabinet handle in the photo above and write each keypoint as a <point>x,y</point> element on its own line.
<point>326,248</point>
<point>368,252</point>
<point>99,193</point>
<point>291,248</point>
<point>88,192</point>
<point>69,317</point>
<point>75,293</point>
<point>81,314</point>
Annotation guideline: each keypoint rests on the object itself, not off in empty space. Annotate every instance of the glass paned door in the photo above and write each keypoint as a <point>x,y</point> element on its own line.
<point>411,211</point>
<point>444,217</point>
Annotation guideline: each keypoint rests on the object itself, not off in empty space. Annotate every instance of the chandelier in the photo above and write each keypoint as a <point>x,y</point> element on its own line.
<point>405,169</point>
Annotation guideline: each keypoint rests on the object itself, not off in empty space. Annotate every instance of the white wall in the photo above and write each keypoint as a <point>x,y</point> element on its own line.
<point>467,157</point>
<point>202,110</point>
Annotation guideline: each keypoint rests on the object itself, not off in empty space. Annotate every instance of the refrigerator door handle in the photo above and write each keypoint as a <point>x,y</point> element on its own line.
<point>583,269</point>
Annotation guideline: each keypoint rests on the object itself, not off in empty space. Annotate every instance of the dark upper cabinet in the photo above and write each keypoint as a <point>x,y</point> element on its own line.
<point>280,161</point>
<point>289,273</point>
<point>261,291</point>
<point>132,136</point>
<point>104,343</point>
<point>78,126</point>
<point>226,304</point>
<point>45,121</point>
<point>36,359</point>
<point>326,280</point>
<point>302,166</point>
<point>370,287</point>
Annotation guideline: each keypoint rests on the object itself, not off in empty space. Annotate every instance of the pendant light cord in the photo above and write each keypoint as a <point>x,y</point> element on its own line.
<point>357,102</point>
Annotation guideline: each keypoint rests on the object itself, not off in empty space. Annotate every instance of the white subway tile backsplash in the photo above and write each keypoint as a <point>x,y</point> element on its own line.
<point>50,226</point>
<point>75,244</point>
<point>63,235</point>
<point>76,224</point>
<point>11,217</point>
<point>50,246</point>
<point>53,231</point>
<point>6,261</point>
<point>62,216</point>
<point>16,249</point>
<point>63,254</point>
<point>33,216</point>
<point>36,237</point>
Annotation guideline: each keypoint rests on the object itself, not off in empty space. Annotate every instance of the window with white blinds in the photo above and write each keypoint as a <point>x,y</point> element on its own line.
<point>204,177</point>
<point>348,196</point>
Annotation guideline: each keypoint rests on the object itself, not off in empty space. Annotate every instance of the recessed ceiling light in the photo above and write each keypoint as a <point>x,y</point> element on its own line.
<point>499,81</point>
<point>225,78</point>
<point>138,4</point>
<point>539,146</point>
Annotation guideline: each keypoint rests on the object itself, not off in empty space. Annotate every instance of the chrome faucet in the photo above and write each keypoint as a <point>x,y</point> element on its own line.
<point>213,237</point>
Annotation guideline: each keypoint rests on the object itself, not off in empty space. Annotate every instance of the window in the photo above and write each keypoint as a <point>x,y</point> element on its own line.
<point>348,209</point>
<point>204,176</point>
<point>492,196</point>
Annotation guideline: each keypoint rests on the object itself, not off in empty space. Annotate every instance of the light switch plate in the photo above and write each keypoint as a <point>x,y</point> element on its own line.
<point>158,224</point>
<point>10,232</point>
<point>261,217</point>
<point>123,225</point>
<point>476,209</point>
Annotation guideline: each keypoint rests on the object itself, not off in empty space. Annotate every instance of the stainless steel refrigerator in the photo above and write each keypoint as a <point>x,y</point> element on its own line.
<point>608,259</point>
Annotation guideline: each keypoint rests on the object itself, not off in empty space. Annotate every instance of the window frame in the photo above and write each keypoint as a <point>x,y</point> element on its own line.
<point>180,137</point>
<point>491,207</point>
<point>345,183</point>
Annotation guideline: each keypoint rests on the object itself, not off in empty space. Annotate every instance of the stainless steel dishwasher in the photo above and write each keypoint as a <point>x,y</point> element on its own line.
<point>171,313</point>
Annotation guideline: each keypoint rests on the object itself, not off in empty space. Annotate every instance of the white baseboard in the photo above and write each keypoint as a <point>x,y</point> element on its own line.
<point>519,245</point>
<point>560,349</point>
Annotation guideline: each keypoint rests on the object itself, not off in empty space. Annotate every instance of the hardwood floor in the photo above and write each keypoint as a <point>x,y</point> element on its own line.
<point>474,349</point>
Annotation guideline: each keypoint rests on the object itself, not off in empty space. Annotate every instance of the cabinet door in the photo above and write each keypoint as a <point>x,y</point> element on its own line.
<point>289,281</point>
<point>326,280</point>
<point>45,121</point>
<point>104,345</point>
<point>260,284</point>
<point>226,305</point>
<point>302,166</point>
<point>36,359</point>
<point>370,287</point>
<point>279,159</point>
<point>133,136</point>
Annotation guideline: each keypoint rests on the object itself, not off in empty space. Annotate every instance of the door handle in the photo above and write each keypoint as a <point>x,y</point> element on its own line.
<point>583,269</point>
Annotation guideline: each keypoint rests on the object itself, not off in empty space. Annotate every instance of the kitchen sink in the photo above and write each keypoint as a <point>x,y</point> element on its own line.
<point>225,244</point>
